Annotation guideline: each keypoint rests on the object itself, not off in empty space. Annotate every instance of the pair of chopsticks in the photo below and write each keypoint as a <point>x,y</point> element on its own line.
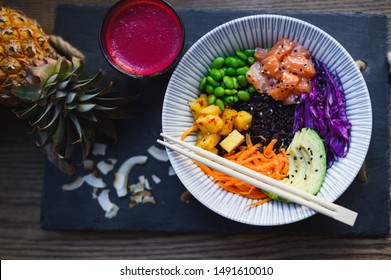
<point>258,180</point>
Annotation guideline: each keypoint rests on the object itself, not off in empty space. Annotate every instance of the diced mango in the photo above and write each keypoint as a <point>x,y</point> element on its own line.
<point>232,141</point>
<point>209,124</point>
<point>197,105</point>
<point>211,110</point>
<point>208,141</point>
<point>243,120</point>
<point>228,118</point>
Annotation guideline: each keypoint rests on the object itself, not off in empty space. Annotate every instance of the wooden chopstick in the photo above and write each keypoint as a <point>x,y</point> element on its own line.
<point>256,179</point>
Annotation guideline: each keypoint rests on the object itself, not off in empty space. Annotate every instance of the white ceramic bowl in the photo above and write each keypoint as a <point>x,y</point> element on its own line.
<point>250,32</point>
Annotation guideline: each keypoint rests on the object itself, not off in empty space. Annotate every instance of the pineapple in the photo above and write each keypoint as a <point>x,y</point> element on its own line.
<point>49,91</point>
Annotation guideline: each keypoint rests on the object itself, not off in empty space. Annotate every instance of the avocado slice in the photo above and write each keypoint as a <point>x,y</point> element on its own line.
<point>307,163</point>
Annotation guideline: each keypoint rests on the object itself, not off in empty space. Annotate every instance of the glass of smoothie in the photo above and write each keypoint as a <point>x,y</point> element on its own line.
<point>142,38</point>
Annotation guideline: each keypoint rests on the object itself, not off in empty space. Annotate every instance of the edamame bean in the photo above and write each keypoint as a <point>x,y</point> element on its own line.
<point>230,71</point>
<point>217,63</point>
<point>219,91</point>
<point>241,62</point>
<point>219,103</point>
<point>244,95</point>
<point>203,84</point>
<point>236,99</point>
<point>209,89</point>
<point>241,55</point>
<point>211,99</point>
<point>228,82</point>
<point>231,61</point>
<point>250,60</point>
<point>242,80</point>
<point>229,100</point>
<point>235,82</point>
<point>251,89</point>
<point>215,74</point>
<point>212,82</point>
<point>222,72</point>
<point>230,91</point>
<point>249,52</point>
<point>242,71</point>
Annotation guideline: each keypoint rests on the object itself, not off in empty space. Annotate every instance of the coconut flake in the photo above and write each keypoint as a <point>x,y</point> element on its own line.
<point>171,171</point>
<point>94,181</point>
<point>106,167</point>
<point>158,154</point>
<point>121,177</point>
<point>88,164</point>
<point>156,179</point>
<point>99,149</point>
<point>135,188</point>
<point>148,199</point>
<point>110,208</point>
<point>74,185</point>
<point>146,184</point>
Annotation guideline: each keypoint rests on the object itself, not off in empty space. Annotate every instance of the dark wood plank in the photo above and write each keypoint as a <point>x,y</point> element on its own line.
<point>21,169</point>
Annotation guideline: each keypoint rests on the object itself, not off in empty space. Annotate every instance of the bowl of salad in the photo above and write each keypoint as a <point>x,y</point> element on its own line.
<point>279,96</point>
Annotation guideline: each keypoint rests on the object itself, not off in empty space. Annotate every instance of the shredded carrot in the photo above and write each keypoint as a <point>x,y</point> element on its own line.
<point>188,131</point>
<point>268,162</point>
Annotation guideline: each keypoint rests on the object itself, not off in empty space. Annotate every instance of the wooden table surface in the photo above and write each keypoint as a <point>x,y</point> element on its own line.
<point>21,171</point>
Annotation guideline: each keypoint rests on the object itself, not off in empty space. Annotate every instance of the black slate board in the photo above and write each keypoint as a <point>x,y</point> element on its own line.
<point>364,37</point>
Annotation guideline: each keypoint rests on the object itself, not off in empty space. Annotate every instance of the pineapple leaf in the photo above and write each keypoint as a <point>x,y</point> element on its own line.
<point>85,107</point>
<point>63,85</point>
<point>60,94</point>
<point>113,101</point>
<point>28,93</point>
<point>102,91</point>
<point>27,113</point>
<point>86,97</point>
<point>103,108</point>
<point>43,117</point>
<point>70,97</point>
<point>58,136</point>
<point>89,116</point>
<point>53,120</point>
<point>76,123</point>
<point>90,81</point>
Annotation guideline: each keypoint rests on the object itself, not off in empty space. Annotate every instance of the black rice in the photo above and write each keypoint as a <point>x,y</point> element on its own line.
<point>271,119</point>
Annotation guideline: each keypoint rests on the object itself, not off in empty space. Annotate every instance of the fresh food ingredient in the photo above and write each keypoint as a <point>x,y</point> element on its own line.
<point>94,181</point>
<point>307,162</point>
<point>110,208</point>
<point>284,72</point>
<point>267,162</point>
<point>271,120</point>
<point>63,107</point>
<point>88,164</point>
<point>77,183</point>
<point>158,154</point>
<point>226,82</point>
<point>211,123</point>
<point>121,177</point>
<point>99,149</point>
<point>232,141</point>
<point>138,194</point>
<point>171,171</point>
<point>324,111</point>
<point>106,166</point>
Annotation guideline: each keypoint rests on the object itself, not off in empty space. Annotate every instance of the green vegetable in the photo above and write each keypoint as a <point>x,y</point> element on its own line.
<point>250,60</point>
<point>229,100</point>
<point>203,84</point>
<point>212,82</point>
<point>251,89</point>
<point>217,63</point>
<point>250,52</point>
<point>230,91</point>
<point>211,99</point>
<point>241,55</point>
<point>231,61</point>
<point>235,82</point>
<point>219,91</point>
<point>242,80</point>
<point>215,74</point>
<point>231,71</point>
<point>244,95</point>
<point>228,82</point>
<point>209,89</point>
<point>242,70</point>
<point>219,103</point>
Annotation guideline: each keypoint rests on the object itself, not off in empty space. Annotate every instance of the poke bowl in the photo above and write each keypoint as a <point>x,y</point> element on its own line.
<point>334,104</point>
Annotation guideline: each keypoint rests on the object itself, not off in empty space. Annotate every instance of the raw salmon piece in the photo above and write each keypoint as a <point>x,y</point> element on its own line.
<point>304,85</point>
<point>255,78</point>
<point>299,65</point>
<point>300,50</point>
<point>278,92</point>
<point>283,47</point>
<point>260,53</point>
<point>271,65</point>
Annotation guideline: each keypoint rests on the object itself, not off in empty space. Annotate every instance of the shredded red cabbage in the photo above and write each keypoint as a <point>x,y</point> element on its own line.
<point>323,110</point>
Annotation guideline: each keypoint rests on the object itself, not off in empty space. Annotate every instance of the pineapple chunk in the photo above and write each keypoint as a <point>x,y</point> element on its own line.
<point>243,120</point>
<point>228,117</point>
<point>209,124</point>
<point>232,141</point>
<point>197,105</point>
<point>208,142</point>
<point>211,110</point>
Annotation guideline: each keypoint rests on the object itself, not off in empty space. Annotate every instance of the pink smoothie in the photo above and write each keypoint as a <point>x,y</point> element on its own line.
<point>142,38</point>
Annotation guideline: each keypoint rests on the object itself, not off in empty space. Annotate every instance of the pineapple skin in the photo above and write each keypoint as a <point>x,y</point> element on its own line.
<point>22,41</point>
